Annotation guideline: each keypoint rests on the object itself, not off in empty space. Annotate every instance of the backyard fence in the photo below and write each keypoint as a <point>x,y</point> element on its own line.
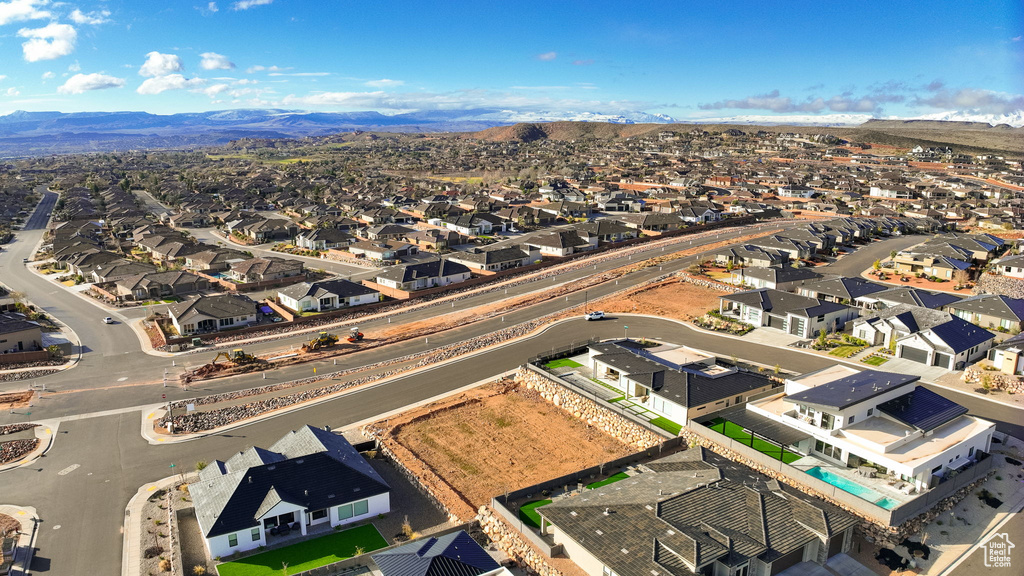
<point>560,352</point>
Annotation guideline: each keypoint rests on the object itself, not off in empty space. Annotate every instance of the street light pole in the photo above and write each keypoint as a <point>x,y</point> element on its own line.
<point>625,332</point>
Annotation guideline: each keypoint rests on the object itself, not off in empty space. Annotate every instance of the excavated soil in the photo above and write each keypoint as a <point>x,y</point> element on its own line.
<point>15,400</point>
<point>497,438</point>
<point>673,299</point>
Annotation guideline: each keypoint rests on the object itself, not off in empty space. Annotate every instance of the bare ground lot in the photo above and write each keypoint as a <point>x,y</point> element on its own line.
<point>15,399</point>
<point>673,299</point>
<point>491,439</point>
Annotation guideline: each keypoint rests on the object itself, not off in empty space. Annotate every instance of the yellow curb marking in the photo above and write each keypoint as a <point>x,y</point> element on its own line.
<point>151,488</point>
<point>21,512</point>
<point>161,440</point>
<point>48,431</point>
<point>151,414</point>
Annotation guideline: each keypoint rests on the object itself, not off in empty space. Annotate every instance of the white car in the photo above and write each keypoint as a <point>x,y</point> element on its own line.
<point>595,315</point>
<point>108,320</point>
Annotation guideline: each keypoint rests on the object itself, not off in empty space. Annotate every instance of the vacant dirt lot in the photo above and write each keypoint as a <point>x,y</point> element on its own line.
<point>674,299</point>
<point>492,439</point>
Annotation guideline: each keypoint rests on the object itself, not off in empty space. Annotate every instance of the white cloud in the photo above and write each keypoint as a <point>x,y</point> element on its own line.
<point>13,92</point>
<point>299,74</point>
<point>46,76</point>
<point>81,83</point>
<point>158,64</point>
<point>455,100</point>
<point>246,4</point>
<point>212,7</point>
<point>170,82</point>
<point>547,56</point>
<point>214,61</point>
<point>3,77</point>
<point>76,67</point>
<point>257,68</point>
<point>49,42</point>
<point>92,18</point>
<point>212,91</point>
<point>984,101</point>
<point>384,83</point>
<point>21,10</point>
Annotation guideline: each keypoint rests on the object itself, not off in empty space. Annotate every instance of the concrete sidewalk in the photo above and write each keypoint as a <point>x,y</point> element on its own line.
<point>131,551</point>
<point>25,549</point>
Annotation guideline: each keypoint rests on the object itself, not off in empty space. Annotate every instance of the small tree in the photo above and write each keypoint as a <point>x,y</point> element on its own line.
<point>822,338</point>
<point>877,265</point>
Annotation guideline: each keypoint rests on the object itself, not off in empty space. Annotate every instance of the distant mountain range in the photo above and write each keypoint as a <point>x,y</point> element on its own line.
<point>31,133</point>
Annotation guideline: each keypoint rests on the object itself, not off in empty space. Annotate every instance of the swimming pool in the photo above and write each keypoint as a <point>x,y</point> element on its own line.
<point>852,487</point>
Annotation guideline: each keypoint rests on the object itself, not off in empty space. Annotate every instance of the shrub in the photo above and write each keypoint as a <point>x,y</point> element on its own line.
<point>165,565</point>
<point>199,570</point>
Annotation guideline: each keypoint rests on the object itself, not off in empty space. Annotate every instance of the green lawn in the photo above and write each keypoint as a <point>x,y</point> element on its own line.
<point>608,480</point>
<point>308,554</point>
<point>528,514</point>
<point>606,385</point>
<point>563,363</point>
<point>736,432</point>
<point>667,425</point>
<point>846,351</point>
<point>875,360</point>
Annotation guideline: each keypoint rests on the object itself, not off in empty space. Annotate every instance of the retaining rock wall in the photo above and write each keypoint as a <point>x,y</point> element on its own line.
<point>512,543</point>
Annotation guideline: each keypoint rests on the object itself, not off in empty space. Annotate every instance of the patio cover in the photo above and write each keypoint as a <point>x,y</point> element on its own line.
<point>766,427</point>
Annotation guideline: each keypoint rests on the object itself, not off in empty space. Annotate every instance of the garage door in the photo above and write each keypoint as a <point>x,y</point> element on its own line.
<point>914,354</point>
<point>776,322</point>
<point>942,360</point>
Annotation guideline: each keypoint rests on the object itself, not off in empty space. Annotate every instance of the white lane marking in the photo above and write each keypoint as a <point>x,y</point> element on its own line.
<point>123,378</point>
<point>68,470</point>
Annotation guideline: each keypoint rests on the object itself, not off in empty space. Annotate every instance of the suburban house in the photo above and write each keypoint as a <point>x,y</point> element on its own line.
<point>750,255</point>
<point>387,232</point>
<point>212,313</point>
<point>934,338</point>
<point>497,259</point>
<point>561,243</point>
<point>326,295</point>
<point>1011,266</point>
<point>18,334</point>
<point>322,239</point>
<point>434,239</point>
<point>793,314</point>
<point>905,295</point>
<point>652,221</point>
<point>1008,355</point>
<point>309,478</point>
<point>939,266</point>
<point>383,250</point>
<point>679,384</point>
<point>796,249</point>
<point>992,311</point>
<point>694,512</point>
<point>155,285</point>
<point>118,269</point>
<point>264,270</point>
<point>844,290</point>
<point>606,230</point>
<point>454,554</point>
<point>879,420</point>
<point>422,275</point>
<point>783,278</point>
<point>214,260</point>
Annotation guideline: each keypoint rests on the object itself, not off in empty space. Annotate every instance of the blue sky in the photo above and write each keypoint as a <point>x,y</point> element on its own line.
<point>688,60</point>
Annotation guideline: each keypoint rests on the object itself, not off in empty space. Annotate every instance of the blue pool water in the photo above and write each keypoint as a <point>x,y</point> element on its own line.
<point>853,488</point>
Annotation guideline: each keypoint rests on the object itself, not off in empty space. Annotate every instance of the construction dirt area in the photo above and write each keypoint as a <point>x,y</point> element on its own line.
<point>13,400</point>
<point>496,438</point>
<point>672,299</point>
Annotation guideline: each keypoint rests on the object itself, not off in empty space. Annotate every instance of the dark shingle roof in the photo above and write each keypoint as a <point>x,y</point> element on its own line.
<point>852,389</point>
<point>922,409</point>
<point>454,554</point>
<point>996,305</point>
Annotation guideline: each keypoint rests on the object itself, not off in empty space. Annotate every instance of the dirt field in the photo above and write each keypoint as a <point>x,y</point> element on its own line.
<point>15,400</point>
<point>674,299</point>
<point>485,442</point>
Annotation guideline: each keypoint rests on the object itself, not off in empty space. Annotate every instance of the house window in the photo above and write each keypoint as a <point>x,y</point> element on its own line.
<point>828,449</point>
<point>970,452</point>
<point>354,509</point>
<point>827,420</point>
<point>850,421</point>
<point>232,540</point>
<point>871,411</point>
<point>742,570</point>
<point>255,534</point>
<point>318,514</point>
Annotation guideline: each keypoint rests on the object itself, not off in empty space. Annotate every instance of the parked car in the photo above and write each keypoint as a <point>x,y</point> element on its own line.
<point>595,315</point>
<point>108,320</point>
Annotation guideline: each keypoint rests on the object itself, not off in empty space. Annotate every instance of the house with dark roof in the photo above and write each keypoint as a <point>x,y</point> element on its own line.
<point>841,289</point>
<point>939,266</point>
<point>326,295</point>
<point>782,278</point>
<point>1010,266</point>
<point>1008,355</point>
<point>883,422</point>
<point>679,384</point>
<point>793,314</point>
<point>212,313</point>
<point>905,295</point>
<point>323,239</point>
<point>562,242</point>
<point>265,270</point>
<point>18,334</point>
<point>308,478</point>
<point>497,259</point>
<point>750,255</point>
<point>952,344</point>
<point>694,512</point>
<point>422,275</point>
<point>454,554</point>
<point>992,311</point>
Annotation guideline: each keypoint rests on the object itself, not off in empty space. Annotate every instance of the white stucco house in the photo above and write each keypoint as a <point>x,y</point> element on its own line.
<point>326,295</point>
<point>310,477</point>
